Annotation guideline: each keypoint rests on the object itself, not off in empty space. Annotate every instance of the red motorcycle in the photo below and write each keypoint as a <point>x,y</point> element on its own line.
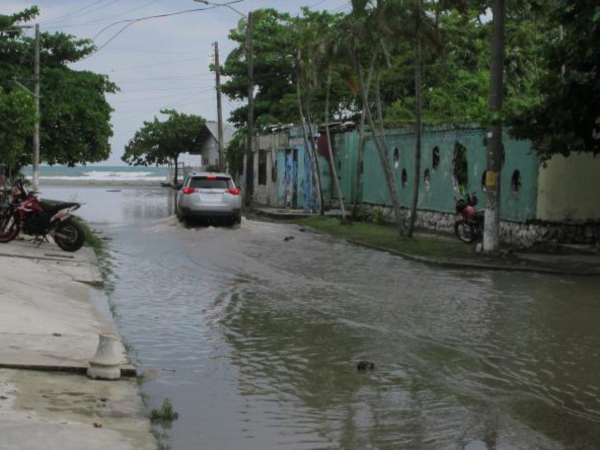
<point>25,214</point>
<point>469,226</point>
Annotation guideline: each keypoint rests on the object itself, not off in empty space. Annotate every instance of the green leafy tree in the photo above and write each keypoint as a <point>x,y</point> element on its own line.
<point>75,115</point>
<point>158,143</point>
<point>273,44</point>
<point>567,116</point>
<point>17,117</point>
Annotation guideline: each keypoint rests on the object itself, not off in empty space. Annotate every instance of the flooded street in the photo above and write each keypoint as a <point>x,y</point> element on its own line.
<point>256,339</point>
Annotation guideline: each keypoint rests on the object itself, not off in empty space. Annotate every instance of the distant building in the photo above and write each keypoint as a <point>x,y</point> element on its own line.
<point>208,155</point>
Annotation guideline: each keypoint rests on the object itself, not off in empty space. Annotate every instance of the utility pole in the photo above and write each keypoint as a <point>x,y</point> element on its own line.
<point>219,109</point>
<point>491,232</point>
<point>36,95</point>
<point>249,154</point>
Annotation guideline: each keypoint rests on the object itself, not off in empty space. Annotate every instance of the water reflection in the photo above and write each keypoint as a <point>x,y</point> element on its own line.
<point>255,339</point>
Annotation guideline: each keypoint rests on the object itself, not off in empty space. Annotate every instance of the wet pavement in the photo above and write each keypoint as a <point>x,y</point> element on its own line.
<point>256,338</point>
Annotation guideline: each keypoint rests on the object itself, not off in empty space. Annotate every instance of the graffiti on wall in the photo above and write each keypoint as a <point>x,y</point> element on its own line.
<point>291,177</point>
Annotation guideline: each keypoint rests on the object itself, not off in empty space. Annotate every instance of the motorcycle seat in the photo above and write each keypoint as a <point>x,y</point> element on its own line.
<point>53,209</point>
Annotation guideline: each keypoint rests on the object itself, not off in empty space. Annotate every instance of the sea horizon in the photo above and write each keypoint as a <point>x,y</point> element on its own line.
<point>99,173</point>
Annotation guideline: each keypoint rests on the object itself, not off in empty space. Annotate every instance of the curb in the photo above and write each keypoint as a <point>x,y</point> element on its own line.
<point>127,371</point>
<point>467,265</point>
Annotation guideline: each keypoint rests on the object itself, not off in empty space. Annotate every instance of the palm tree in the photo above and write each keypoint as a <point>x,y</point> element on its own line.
<point>365,28</point>
<point>408,19</point>
<point>334,174</point>
<point>305,84</point>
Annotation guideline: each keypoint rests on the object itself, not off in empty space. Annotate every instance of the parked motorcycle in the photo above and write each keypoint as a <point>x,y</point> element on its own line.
<point>25,214</point>
<point>469,226</point>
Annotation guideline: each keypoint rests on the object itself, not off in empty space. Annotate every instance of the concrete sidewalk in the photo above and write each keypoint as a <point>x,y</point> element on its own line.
<point>51,318</point>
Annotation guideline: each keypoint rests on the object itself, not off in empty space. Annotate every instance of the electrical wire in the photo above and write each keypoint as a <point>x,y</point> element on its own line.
<point>96,22</point>
<point>179,61</point>
<point>173,105</point>
<point>130,22</point>
<point>186,77</point>
<point>71,13</point>
<point>88,12</point>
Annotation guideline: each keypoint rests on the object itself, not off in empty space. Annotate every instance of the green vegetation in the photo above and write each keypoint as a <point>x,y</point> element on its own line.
<point>161,438</point>
<point>75,128</point>
<point>552,85</point>
<point>566,116</point>
<point>166,414</point>
<point>386,237</point>
<point>91,238</point>
<point>160,142</point>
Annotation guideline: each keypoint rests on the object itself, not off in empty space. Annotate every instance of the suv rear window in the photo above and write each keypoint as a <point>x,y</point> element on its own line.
<point>211,183</point>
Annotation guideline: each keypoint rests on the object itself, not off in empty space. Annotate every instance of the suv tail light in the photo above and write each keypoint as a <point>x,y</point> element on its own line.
<point>189,190</point>
<point>234,191</point>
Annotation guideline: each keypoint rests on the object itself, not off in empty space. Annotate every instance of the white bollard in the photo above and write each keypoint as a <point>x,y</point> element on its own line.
<point>105,363</point>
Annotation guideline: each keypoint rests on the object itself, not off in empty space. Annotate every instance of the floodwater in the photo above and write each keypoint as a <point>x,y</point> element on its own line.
<point>256,339</point>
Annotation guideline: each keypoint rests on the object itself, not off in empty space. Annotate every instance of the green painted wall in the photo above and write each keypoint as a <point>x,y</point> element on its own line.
<point>439,195</point>
<point>345,146</point>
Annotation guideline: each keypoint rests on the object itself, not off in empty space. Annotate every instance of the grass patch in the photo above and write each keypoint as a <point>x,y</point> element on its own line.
<point>422,244</point>
<point>91,238</point>
<point>166,413</point>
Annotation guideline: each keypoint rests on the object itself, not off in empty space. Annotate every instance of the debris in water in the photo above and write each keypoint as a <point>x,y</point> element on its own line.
<point>97,425</point>
<point>288,238</point>
<point>365,366</point>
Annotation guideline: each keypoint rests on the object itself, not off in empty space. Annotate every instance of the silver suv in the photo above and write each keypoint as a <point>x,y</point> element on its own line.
<point>209,196</point>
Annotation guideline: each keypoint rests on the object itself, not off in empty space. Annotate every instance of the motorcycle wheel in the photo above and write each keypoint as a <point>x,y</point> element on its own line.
<point>465,232</point>
<point>9,227</point>
<point>69,236</point>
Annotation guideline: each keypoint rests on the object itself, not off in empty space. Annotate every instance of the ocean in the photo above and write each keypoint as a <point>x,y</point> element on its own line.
<point>99,173</point>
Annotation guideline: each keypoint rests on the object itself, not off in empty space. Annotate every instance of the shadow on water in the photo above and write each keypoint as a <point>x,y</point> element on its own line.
<point>255,339</point>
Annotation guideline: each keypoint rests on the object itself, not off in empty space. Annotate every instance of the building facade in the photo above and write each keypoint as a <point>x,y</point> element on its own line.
<point>557,201</point>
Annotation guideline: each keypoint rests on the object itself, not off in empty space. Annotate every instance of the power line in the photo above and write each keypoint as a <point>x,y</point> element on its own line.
<point>134,91</point>
<point>186,77</point>
<point>88,12</point>
<point>173,105</point>
<point>140,99</point>
<point>97,21</point>
<point>71,13</point>
<point>179,61</point>
<point>130,22</point>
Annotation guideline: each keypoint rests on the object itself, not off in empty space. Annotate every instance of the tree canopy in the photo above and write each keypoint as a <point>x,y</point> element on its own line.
<point>75,115</point>
<point>159,142</point>
<point>558,112</point>
<point>566,117</point>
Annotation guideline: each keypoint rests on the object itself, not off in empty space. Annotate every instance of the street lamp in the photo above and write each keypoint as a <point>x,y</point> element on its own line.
<point>228,5</point>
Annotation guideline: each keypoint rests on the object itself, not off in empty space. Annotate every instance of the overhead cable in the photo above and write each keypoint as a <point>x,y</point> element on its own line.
<point>130,22</point>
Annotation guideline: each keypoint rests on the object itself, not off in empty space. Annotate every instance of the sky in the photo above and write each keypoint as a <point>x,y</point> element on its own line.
<point>160,63</point>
